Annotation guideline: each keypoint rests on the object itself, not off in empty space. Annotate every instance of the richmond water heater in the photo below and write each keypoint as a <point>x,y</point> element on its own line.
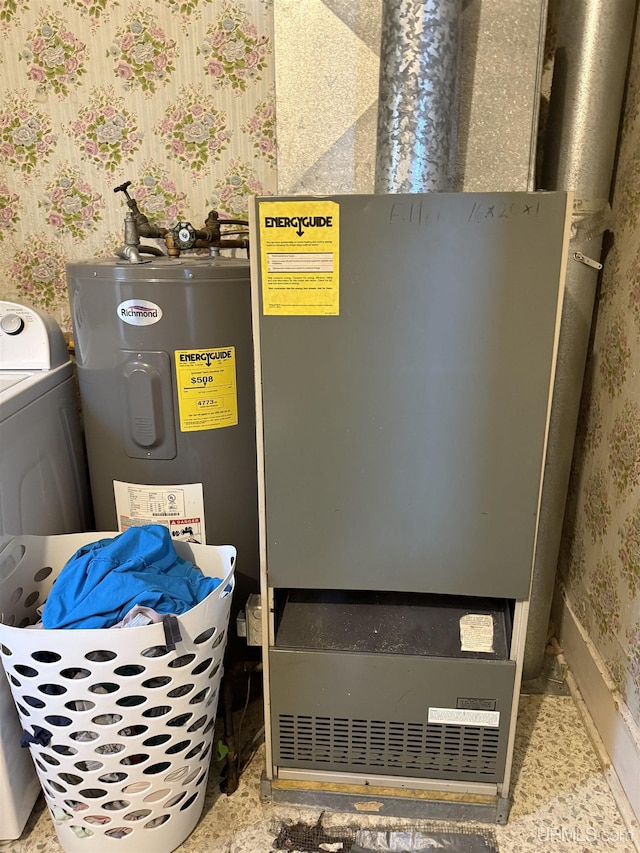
<point>165,370</point>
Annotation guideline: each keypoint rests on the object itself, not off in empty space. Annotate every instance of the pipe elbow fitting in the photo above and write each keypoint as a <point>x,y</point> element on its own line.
<point>129,253</point>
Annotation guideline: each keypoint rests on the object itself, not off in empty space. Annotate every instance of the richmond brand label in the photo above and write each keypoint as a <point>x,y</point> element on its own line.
<point>139,312</point>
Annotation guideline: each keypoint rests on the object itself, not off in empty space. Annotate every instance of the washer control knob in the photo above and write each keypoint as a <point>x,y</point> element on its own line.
<point>11,324</point>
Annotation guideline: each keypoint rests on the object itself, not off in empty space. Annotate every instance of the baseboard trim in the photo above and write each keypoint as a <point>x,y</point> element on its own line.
<point>613,731</point>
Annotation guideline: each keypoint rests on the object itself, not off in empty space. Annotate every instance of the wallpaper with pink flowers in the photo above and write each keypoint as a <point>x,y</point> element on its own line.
<point>600,554</point>
<point>176,96</point>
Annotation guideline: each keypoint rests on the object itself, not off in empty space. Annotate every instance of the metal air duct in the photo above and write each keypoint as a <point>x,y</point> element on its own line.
<point>419,45</point>
<point>591,58</point>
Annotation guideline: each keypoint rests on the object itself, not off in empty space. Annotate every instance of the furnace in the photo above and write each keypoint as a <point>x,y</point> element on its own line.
<point>404,366</point>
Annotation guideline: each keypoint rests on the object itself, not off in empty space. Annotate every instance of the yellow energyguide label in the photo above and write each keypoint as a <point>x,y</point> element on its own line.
<point>207,391</point>
<point>299,257</point>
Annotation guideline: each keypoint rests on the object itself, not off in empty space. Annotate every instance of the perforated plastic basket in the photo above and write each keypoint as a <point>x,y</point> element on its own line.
<point>132,721</point>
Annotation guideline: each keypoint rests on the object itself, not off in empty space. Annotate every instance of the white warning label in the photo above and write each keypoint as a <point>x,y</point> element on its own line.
<point>464,717</point>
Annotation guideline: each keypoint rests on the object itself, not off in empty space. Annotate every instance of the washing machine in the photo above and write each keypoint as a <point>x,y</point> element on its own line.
<point>42,469</point>
<point>43,491</point>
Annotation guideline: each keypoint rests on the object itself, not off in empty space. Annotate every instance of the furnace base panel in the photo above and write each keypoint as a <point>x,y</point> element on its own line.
<point>369,799</point>
<point>394,715</point>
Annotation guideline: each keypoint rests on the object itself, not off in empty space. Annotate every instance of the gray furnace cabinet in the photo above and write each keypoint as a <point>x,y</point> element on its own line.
<point>405,352</point>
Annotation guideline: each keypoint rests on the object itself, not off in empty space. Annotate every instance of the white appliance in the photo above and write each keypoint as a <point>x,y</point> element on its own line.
<point>43,491</point>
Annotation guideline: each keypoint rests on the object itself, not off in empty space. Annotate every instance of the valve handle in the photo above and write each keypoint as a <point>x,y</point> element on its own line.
<point>184,235</point>
<point>132,204</point>
<point>123,189</point>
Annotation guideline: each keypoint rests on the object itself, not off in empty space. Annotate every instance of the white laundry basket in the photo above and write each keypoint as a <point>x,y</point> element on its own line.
<point>131,720</point>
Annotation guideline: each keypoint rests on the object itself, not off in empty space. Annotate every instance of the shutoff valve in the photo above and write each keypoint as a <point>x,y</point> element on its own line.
<point>184,235</point>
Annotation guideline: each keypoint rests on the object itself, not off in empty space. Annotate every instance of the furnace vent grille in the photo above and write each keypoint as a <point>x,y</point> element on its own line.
<point>443,751</point>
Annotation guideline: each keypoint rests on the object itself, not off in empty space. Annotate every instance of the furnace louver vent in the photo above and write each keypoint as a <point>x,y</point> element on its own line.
<point>416,749</point>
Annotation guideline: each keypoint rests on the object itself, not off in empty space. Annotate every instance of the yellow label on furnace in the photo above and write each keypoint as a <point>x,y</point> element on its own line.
<point>299,246</point>
<point>207,393</point>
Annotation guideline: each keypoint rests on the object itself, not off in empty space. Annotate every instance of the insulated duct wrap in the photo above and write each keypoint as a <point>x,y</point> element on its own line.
<point>590,66</point>
<point>418,57</point>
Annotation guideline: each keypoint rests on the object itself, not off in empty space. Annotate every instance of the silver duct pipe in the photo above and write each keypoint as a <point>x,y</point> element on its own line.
<point>418,52</point>
<point>591,58</point>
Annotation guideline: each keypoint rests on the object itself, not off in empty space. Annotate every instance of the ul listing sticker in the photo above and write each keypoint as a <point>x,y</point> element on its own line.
<point>300,249</point>
<point>207,393</point>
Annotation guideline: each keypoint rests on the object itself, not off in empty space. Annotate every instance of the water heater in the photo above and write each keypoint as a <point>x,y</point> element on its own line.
<point>165,372</point>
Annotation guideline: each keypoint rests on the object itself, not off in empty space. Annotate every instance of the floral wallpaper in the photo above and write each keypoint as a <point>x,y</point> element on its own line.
<point>600,554</point>
<point>176,96</point>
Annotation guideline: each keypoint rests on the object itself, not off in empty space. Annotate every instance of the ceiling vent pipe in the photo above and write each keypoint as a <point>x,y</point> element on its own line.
<point>590,66</point>
<point>418,58</point>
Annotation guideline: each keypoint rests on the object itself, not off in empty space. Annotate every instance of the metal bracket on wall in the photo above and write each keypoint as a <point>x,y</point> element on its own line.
<point>583,259</point>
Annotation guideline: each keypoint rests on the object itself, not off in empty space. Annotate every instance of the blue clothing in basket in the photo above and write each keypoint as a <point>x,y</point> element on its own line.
<point>104,580</point>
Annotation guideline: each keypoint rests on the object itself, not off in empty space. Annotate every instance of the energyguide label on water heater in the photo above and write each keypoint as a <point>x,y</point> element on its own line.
<point>207,391</point>
<point>299,246</point>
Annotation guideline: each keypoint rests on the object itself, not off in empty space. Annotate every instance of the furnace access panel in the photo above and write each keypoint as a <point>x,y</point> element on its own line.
<point>404,417</point>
